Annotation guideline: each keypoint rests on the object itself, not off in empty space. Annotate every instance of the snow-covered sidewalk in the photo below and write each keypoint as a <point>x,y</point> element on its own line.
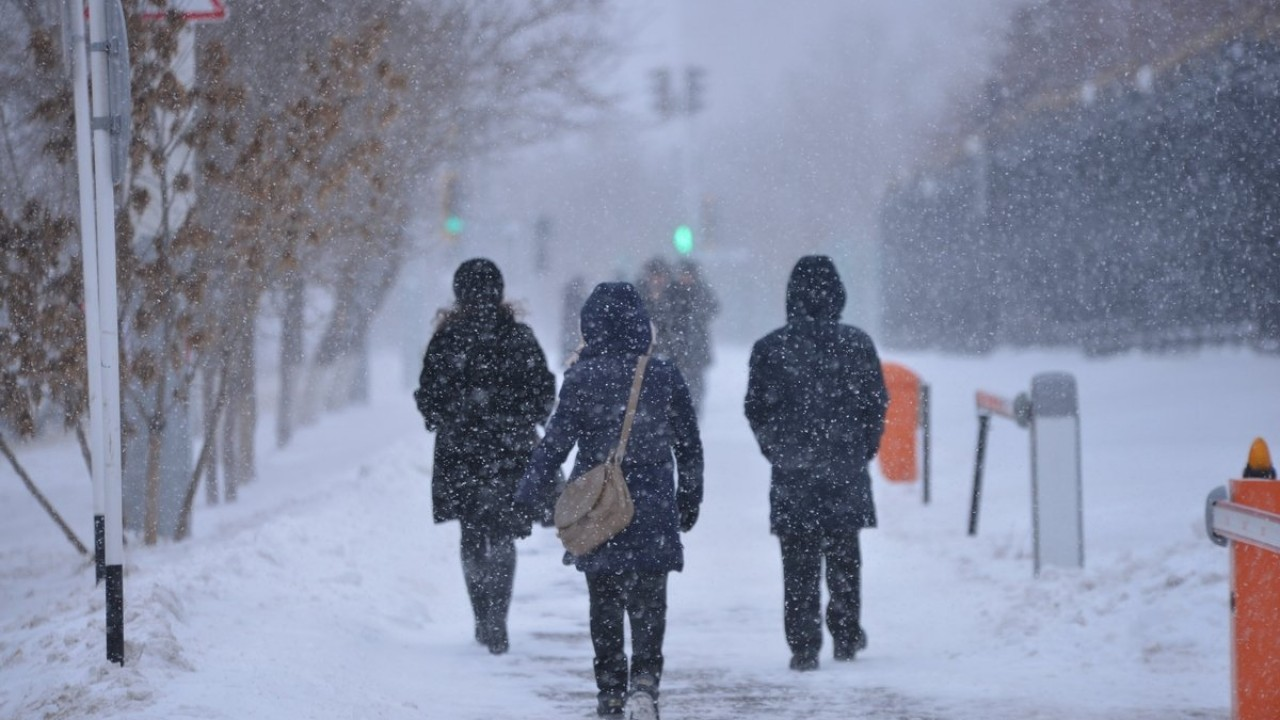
<point>326,591</point>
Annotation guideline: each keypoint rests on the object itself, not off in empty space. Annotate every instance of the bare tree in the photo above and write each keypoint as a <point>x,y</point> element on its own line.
<point>42,380</point>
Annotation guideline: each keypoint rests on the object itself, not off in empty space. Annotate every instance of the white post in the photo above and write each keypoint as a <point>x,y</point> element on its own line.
<point>1056,493</point>
<point>89,257</point>
<point>109,329</point>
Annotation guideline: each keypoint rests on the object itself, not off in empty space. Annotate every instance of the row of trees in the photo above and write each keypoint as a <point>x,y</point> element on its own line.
<point>1117,186</point>
<point>271,187</point>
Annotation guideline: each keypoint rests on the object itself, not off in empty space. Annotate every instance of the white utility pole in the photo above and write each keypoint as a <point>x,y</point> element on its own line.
<point>108,324</point>
<point>89,258</point>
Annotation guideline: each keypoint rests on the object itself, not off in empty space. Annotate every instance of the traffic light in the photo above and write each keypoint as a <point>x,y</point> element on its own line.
<point>660,84</point>
<point>451,206</point>
<point>682,239</point>
<point>695,86</point>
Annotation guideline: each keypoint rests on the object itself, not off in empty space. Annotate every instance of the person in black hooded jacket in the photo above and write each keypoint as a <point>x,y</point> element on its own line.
<point>484,389</point>
<point>816,401</point>
<point>627,575</point>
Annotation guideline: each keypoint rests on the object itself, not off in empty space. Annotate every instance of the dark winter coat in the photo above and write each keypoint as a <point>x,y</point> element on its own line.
<point>664,435</point>
<point>691,305</point>
<point>816,402</point>
<point>484,388</point>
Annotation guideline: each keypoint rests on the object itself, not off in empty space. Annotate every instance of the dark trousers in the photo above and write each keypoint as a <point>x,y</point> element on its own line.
<point>489,566</point>
<point>642,598</point>
<point>802,557</point>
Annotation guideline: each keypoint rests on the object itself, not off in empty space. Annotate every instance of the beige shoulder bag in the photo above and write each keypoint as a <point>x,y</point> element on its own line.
<point>597,505</point>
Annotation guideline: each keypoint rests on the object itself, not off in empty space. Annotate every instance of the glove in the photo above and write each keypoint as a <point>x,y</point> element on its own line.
<point>523,518</point>
<point>688,516</point>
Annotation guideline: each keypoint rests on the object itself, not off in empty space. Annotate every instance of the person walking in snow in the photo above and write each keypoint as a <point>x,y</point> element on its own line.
<point>816,402</point>
<point>484,389</point>
<point>653,284</point>
<point>691,305</point>
<point>627,575</point>
<point>575,292</point>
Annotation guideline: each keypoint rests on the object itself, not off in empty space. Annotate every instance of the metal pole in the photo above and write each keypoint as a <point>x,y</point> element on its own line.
<point>927,425</point>
<point>89,260</point>
<point>984,421</point>
<point>109,325</point>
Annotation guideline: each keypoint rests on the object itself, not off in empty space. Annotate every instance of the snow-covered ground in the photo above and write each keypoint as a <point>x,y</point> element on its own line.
<point>326,591</point>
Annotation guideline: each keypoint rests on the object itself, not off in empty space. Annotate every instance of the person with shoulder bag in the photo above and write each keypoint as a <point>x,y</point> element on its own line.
<point>484,388</point>
<point>661,465</point>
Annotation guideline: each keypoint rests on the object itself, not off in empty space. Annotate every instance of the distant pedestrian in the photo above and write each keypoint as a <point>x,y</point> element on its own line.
<point>484,389</point>
<point>627,576</point>
<point>655,281</point>
<point>691,305</point>
<point>575,292</point>
<point>816,401</point>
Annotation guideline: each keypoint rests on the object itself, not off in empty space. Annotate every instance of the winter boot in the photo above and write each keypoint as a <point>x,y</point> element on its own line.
<point>610,705</point>
<point>642,703</point>
<point>804,662</point>
<point>847,650</point>
<point>496,638</point>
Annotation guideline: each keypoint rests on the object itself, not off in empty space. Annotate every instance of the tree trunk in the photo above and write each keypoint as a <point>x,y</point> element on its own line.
<point>210,404</point>
<point>292,355</point>
<point>230,476</point>
<point>151,511</point>
<point>213,413</point>
<point>240,423</point>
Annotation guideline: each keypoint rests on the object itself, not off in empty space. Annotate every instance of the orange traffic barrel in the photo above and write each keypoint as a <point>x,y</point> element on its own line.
<point>899,453</point>
<point>1255,599</point>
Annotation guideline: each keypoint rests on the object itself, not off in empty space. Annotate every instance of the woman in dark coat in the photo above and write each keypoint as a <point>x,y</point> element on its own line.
<point>628,574</point>
<point>484,389</point>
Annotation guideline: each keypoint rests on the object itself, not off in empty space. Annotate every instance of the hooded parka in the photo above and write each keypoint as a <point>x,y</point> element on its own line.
<point>664,439</point>
<point>816,401</point>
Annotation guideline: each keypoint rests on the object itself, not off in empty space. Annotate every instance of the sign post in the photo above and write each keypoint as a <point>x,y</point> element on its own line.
<point>988,404</point>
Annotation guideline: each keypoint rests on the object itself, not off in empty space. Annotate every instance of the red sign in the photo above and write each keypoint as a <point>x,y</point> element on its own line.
<point>994,405</point>
<point>193,11</point>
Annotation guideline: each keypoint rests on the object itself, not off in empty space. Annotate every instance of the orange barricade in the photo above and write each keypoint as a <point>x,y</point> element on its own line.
<point>898,447</point>
<point>1255,595</point>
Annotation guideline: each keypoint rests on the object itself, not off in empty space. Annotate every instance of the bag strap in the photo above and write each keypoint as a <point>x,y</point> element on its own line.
<point>631,409</point>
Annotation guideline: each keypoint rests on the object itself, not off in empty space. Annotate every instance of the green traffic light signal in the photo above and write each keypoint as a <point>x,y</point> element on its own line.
<point>453,225</point>
<point>683,239</point>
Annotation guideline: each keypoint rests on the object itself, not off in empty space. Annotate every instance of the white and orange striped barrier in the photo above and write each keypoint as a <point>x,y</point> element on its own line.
<point>1247,515</point>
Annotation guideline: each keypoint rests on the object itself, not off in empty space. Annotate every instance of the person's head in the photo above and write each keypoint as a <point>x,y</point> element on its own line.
<point>687,272</point>
<point>815,290</point>
<point>656,276</point>
<point>614,320</point>
<point>478,283</point>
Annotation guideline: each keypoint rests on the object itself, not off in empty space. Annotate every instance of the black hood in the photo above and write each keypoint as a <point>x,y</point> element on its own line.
<point>478,283</point>
<point>814,290</point>
<point>614,321</point>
